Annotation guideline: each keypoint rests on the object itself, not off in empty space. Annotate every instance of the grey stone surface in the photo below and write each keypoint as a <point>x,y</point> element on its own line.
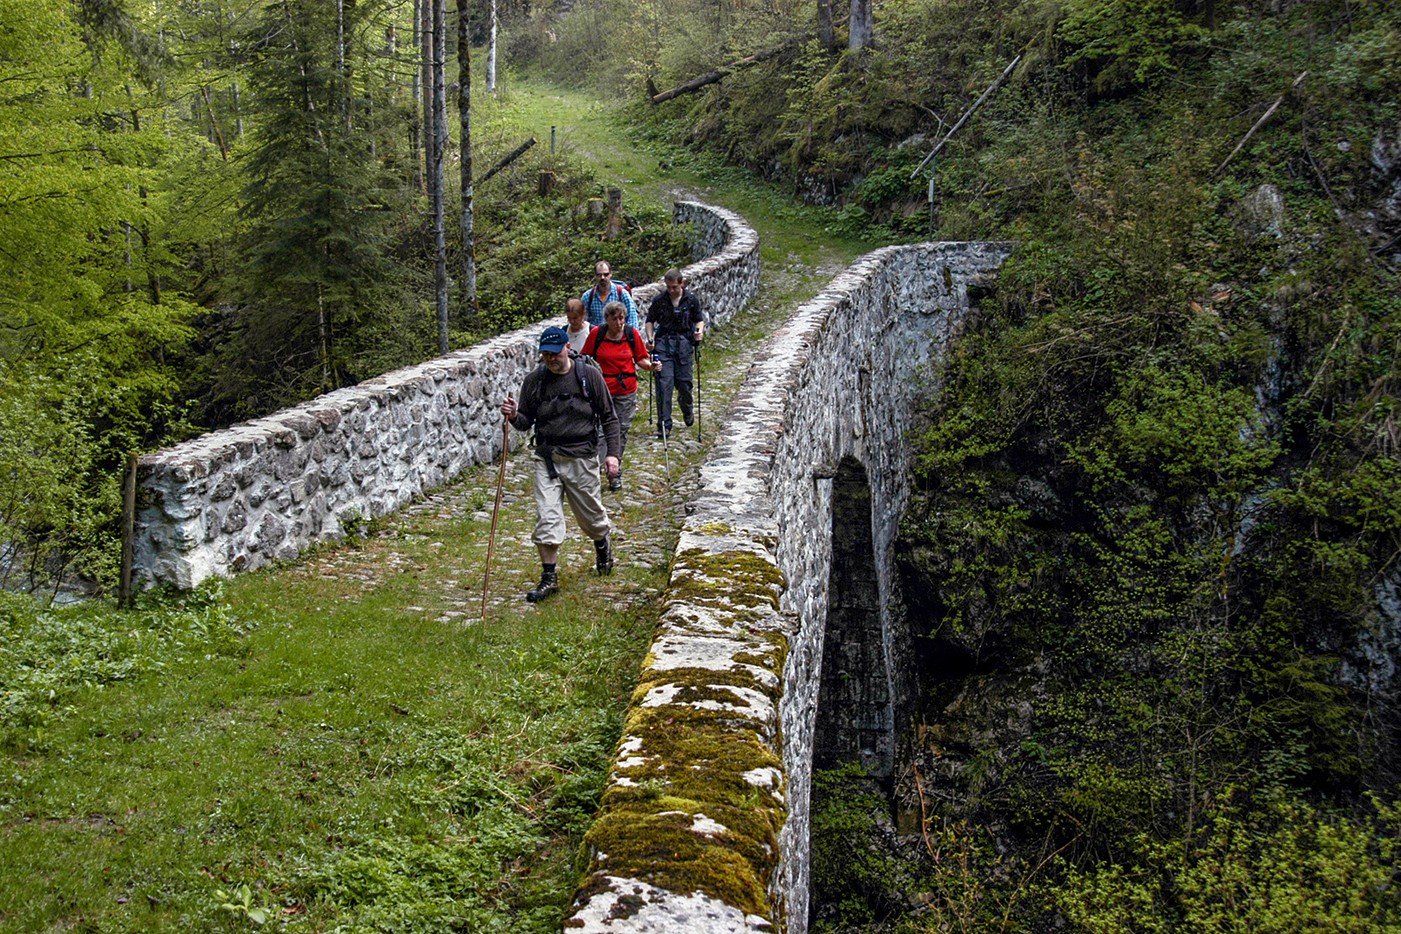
<point>264,490</point>
<point>835,386</point>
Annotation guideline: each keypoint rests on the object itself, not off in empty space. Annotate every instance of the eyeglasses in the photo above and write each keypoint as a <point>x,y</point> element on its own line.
<point>603,275</point>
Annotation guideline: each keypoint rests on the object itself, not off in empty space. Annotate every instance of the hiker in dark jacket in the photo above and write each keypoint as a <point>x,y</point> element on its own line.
<point>563,399</point>
<point>675,325</point>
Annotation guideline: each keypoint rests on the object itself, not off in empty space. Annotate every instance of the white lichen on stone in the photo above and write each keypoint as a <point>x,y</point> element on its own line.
<point>764,778</point>
<point>631,906</point>
<point>703,825</point>
<point>753,704</point>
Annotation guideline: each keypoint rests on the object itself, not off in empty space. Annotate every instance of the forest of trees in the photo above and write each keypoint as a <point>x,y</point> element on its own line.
<point>215,208</point>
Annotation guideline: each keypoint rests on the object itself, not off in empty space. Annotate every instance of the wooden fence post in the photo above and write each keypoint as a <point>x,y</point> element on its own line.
<point>128,531</point>
<point>615,213</point>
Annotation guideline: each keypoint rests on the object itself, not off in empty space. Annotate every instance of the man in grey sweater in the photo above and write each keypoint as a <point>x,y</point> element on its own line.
<point>563,399</point>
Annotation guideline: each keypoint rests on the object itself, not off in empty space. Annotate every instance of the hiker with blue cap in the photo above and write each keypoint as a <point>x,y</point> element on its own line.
<point>563,399</point>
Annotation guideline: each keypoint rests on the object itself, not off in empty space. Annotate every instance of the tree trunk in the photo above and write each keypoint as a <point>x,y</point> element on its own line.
<point>440,134</point>
<point>341,72</point>
<point>510,157</point>
<point>228,19</point>
<point>415,122</point>
<point>861,24</point>
<point>825,34</point>
<point>214,123</point>
<point>323,339</point>
<point>426,36</point>
<point>467,310</point>
<point>238,112</point>
<point>710,77</point>
<point>491,53</point>
<point>306,81</point>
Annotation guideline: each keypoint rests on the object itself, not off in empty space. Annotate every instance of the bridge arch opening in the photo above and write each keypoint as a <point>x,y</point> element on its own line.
<point>855,706</point>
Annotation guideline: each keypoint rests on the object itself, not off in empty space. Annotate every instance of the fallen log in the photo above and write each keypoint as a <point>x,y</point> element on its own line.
<point>966,114</point>
<point>511,156</point>
<point>1259,123</point>
<point>710,77</point>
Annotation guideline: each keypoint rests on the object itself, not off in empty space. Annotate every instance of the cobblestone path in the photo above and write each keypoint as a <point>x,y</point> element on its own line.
<point>441,540</point>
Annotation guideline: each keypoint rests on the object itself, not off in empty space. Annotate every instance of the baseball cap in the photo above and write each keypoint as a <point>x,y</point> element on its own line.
<point>553,340</point>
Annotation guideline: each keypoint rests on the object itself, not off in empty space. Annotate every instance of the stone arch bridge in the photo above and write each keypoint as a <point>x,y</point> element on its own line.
<point>782,642</point>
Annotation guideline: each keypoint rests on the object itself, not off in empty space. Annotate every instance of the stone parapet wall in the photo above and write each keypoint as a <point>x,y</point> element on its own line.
<point>704,823</point>
<point>265,490</point>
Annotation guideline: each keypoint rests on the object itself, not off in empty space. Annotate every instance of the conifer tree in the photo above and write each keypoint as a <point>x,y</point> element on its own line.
<point>315,269</point>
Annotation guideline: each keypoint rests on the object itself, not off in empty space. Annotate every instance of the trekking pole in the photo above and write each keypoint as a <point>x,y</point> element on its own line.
<point>666,453</point>
<point>651,384</point>
<point>695,350</point>
<point>500,482</point>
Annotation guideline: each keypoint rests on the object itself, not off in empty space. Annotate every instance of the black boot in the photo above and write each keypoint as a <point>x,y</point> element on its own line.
<point>549,583</point>
<point>603,552</point>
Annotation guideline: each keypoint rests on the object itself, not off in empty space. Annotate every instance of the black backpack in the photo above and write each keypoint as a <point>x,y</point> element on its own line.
<point>585,390</point>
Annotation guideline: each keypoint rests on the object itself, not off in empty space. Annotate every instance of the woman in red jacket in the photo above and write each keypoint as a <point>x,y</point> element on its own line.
<point>620,353</point>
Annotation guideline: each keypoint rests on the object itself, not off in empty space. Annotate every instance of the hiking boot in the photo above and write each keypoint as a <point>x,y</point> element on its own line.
<point>603,553</point>
<point>549,583</point>
<point>689,419</point>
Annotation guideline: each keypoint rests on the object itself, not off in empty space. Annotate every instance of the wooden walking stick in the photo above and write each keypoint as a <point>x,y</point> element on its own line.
<point>500,482</point>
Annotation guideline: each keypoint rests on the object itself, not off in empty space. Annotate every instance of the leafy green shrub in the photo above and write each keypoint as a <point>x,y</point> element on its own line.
<point>1132,41</point>
<point>1280,865</point>
<point>850,874</point>
<point>49,654</point>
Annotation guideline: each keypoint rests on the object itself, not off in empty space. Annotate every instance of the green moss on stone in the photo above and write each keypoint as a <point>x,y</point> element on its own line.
<point>662,849</point>
<point>697,677</point>
<point>740,576</point>
<point>692,761</point>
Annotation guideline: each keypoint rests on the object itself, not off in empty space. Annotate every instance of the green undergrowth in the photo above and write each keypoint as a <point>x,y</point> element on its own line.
<point>1160,492</point>
<point>52,658</point>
